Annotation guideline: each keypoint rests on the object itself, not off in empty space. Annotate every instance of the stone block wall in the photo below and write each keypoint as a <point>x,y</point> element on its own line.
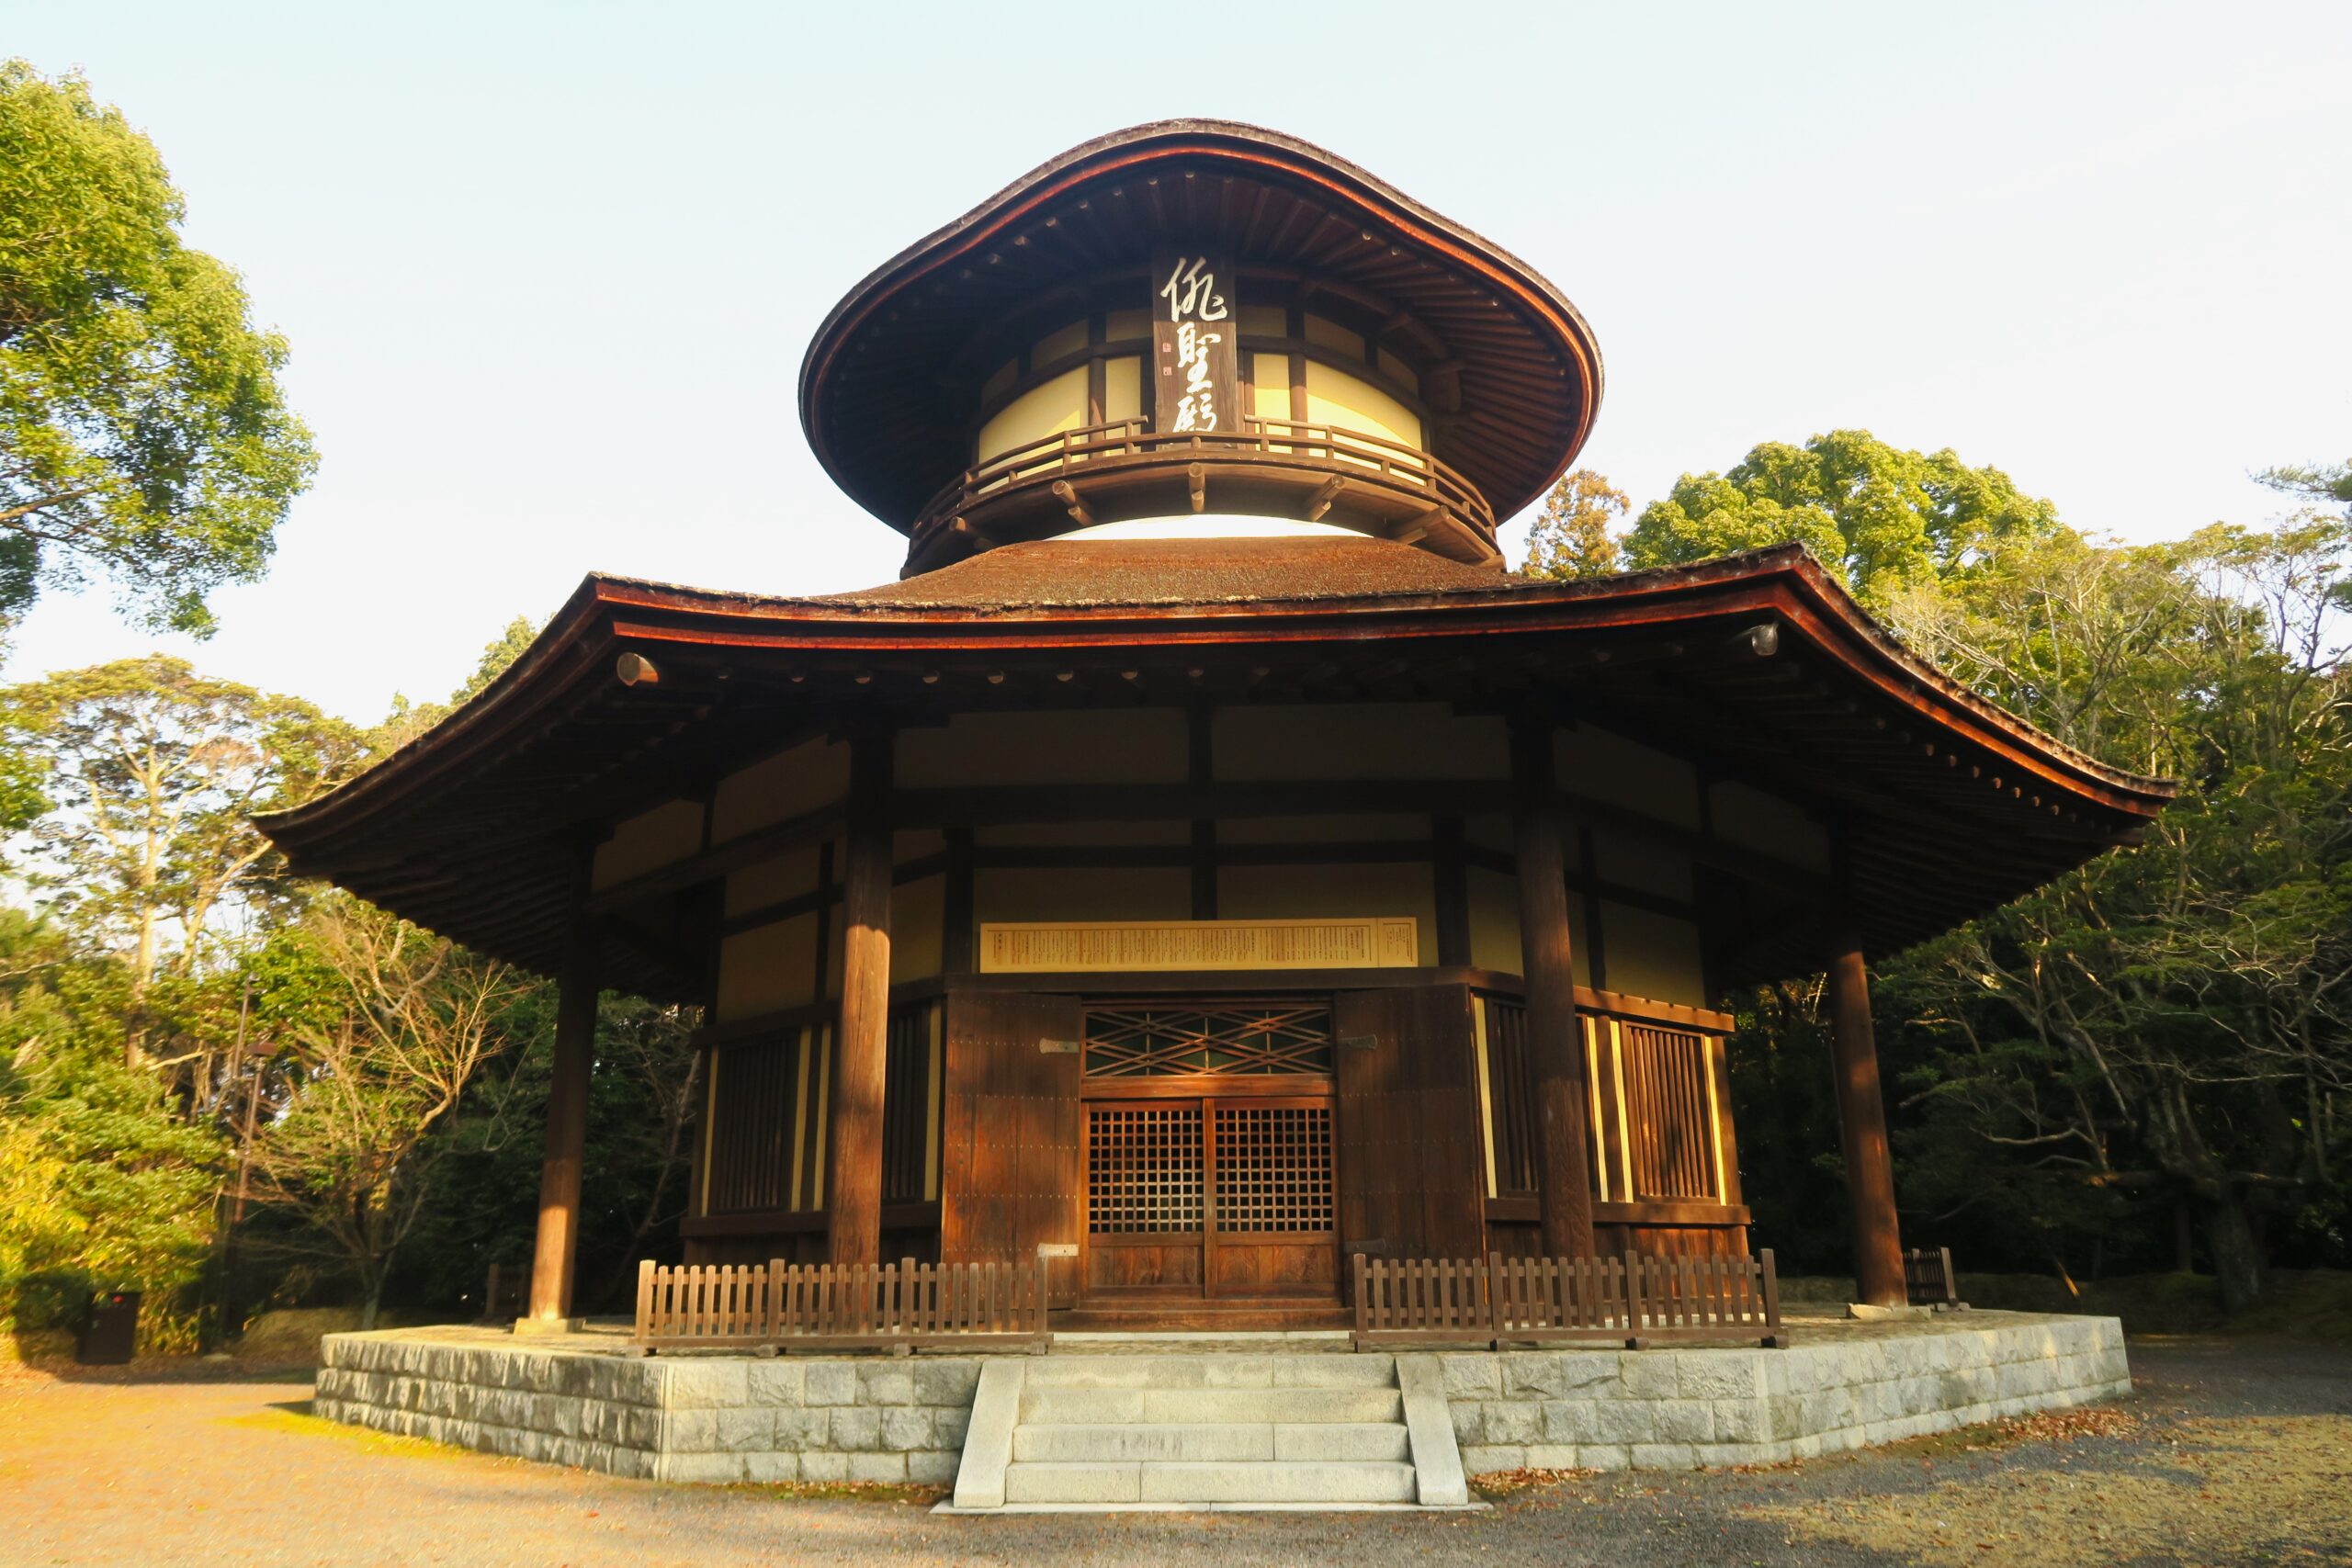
<point>902,1419</point>
<point>685,1418</point>
<point>1662,1409</point>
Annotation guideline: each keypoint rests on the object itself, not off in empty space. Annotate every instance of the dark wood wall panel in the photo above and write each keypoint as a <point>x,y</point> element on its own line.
<point>1411,1168</point>
<point>1011,1173</point>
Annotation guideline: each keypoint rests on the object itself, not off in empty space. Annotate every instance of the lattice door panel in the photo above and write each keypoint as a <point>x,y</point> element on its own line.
<point>1274,1168</point>
<point>1143,1169</point>
<point>1248,1039</point>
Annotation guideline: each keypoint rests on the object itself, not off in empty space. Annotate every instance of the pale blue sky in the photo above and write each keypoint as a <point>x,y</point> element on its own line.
<point>549,270</point>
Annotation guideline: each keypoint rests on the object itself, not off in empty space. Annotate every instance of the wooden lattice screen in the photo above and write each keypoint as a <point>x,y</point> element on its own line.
<point>1670,1104</point>
<point>910,1104</point>
<point>1511,1099</point>
<point>767,1104</point>
<point>1144,1169</point>
<point>1242,1038</point>
<point>1274,1168</point>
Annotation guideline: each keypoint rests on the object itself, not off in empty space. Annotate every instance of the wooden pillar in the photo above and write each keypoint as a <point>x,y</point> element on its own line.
<point>558,1246</point>
<point>1861,1117</point>
<point>853,1223</point>
<point>1554,1052</point>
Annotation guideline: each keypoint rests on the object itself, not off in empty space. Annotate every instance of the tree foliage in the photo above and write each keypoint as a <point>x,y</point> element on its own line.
<point>401,1024</point>
<point>143,435</point>
<point>1573,535</point>
<point>148,774</point>
<point>1880,517</point>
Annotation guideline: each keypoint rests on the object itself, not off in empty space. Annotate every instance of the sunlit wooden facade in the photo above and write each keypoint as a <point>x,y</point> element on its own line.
<point>1206,861</point>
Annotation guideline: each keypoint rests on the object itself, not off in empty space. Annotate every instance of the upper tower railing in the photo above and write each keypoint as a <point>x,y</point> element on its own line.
<point>1277,468</point>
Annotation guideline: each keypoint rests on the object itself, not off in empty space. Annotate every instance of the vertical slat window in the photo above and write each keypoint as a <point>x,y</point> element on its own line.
<point>1510,1119</point>
<point>910,1101</point>
<point>1670,1102</point>
<point>750,1126</point>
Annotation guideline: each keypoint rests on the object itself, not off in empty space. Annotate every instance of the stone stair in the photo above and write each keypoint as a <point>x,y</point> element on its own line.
<point>1194,1430</point>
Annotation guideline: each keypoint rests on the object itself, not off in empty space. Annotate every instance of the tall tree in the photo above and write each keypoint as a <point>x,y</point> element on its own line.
<point>399,1026</point>
<point>149,775</point>
<point>143,437</point>
<point>1879,517</point>
<point>2175,1021</point>
<point>1574,536</point>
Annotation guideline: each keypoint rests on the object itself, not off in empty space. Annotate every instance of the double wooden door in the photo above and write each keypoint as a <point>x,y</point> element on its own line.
<point>1208,1196</point>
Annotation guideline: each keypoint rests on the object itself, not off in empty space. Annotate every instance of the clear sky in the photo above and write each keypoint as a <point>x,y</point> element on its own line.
<point>549,270</point>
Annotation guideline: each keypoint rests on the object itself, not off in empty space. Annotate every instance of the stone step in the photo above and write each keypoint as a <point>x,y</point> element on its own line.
<point>1197,1443</point>
<point>1050,1405</point>
<point>1180,1482</point>
<point>1354,1442</point>
<point>1324,1369</point>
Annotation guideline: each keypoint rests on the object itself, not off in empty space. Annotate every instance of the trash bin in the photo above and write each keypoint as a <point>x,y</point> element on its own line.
<point>113,1331</point>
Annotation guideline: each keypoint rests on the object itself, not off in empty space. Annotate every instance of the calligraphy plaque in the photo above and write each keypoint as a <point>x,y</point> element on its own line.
<point>1028,947</point>
<point>1196,376</point>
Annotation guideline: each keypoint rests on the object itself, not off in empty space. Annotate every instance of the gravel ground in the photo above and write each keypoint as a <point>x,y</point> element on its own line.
<point>2228,1453</point>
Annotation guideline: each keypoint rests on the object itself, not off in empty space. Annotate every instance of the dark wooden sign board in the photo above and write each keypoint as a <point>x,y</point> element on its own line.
<point>1194,325</point>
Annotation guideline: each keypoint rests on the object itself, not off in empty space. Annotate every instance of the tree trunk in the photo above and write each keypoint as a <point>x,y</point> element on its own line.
<point>2237,1259</point>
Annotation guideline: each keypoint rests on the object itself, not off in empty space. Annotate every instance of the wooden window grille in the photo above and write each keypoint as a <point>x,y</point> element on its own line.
<point>911,1107</point>
<point>1670,1101</point>
<point>1248,1039</point>
<point>1510,1097</point>
<point>1274,1168</point>
<point>766,1120</point>
<point>1143,1169</point>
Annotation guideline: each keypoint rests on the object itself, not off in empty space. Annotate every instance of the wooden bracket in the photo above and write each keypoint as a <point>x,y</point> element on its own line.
<point>1325,494</point>
<point>1197,476</point>
<point>1081,513</point>
<point>1419,528</point>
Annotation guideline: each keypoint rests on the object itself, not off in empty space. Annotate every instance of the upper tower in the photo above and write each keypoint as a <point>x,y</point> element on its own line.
<point>1199,318</point>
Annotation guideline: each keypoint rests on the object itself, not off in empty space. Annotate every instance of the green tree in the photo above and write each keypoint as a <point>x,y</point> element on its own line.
<point>2174,1022</point>
<point>1880,517</point>
<point>149,775</point>
<point>1573,535</point>
<point>102,1186</point>
<point>143,436</point>
<point>401,1025</point>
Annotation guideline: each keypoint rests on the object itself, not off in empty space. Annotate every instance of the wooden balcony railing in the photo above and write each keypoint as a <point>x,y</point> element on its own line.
<point>1073,456</point>
<point>899,1306</point>
<point>1634,1299</point>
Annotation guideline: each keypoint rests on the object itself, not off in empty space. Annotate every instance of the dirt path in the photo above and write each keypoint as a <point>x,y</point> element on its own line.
<point>2228,1453</point>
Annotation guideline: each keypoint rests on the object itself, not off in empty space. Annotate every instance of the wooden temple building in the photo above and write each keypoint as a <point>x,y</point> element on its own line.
<point>1207,862</point>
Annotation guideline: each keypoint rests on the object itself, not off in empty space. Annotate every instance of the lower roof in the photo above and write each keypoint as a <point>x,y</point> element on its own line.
<point>1757,666</point>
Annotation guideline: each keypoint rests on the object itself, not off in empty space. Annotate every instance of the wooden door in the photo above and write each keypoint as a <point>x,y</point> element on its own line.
<point>1411,1159</point>
<point>1146,1197</point>
<point>1272,1211</point>
<point>1218,1196</point>
<point>1010,1176</point>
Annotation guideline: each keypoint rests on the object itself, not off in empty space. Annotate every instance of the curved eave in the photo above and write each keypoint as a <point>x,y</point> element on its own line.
<point>479,827</point>
<point>1255,153</point>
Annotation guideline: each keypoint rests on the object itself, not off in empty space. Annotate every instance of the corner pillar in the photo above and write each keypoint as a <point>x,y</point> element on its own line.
<point>1862,1120</point>
<point>853,1221</point>
<point>558,1247</point>
<point>1555,1052</point>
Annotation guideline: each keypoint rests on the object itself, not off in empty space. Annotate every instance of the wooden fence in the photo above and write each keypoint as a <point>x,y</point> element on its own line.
<point>1635,1299</point>
<point>1929,1280</point>
<point>897,1307</point>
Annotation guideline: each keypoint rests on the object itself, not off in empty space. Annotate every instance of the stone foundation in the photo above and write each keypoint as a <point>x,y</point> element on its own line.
<point>1681,1409</point>
<point>901,1419</point>
<point>898,1419</point>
